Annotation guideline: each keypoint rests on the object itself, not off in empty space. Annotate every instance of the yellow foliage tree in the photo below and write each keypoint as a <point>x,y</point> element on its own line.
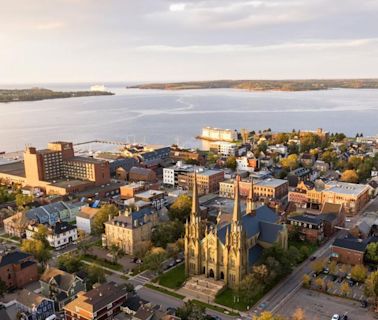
<point>349,176</point>
<point>345,289</point>
<point>298,314</point>
<point>359,273</point>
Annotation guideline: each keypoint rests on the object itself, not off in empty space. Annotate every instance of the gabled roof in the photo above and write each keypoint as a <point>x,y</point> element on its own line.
<point>254,254</point>
<point>331,208</point>
<point>63,279</point>
<point>13,258</point>
<point>269,231</point>
<point>29,298</point>
<point>351,243</point>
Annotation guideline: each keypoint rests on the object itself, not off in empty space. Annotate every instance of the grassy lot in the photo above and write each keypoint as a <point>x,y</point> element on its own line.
<point>174,278</point>
<point>213,307</point>
<point>107,264</point>
<point>226,298</point>
<point>166,291</point>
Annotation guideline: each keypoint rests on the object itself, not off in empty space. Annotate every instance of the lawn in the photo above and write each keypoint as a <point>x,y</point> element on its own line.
<point>229,298</point>
<point>173,278</point>
<point>106,264</point>
<point>166,291</point>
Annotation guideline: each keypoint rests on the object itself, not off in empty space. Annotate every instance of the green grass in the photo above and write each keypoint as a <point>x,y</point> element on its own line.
<point>106,264</point>
<point>173,278</point>
<point>166,291</point>
<point>226,298</point>
<point>213,307</point>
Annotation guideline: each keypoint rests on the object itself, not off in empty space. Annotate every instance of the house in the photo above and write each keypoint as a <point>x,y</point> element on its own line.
<point>34,306</point>
<point>60,286</point>
<point>85,217</point>
<point>297,175</point>
<point>155,197</point>
<point>17,269</point>
<point>307,160</point>
<point>349,250</point>
<point>102,302</point>
<point>321,166</point>
<point>143,313</point>
<point>310,227</point>
<point>142,174</point>
<point>132,304</point>
<point>58,236</point>
<point>51,213</point>
<point>16,225</point>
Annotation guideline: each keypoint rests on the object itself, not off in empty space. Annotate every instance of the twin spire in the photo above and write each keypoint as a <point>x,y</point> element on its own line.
<point>236,215</point>
<point>195,201</point>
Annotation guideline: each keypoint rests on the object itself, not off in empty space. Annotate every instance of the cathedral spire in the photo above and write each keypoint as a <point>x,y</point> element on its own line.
<point>195,202</point>
<point>251,205</point>
<point>236,215</point>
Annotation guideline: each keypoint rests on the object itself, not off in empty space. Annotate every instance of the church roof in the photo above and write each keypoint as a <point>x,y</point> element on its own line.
<point>263,222</point>
<point>254,254</point>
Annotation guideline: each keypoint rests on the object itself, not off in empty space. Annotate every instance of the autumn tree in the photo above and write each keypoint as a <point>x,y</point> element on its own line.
<point>345,288</point>
<point>359,273</point>
<point>154,258</point>
<point>349,176</point>
<point>231,163</point>
<point>106,211</point>
<point>319,282</point>
<point>372,252</point>
<point>318,265</point>
<point>371,288</point>
<point>306,281</point>
<point>291,162</point>
<point>298,314</point>
<point>36,248</point>
<point>180,209</point>
<point>191,311</point>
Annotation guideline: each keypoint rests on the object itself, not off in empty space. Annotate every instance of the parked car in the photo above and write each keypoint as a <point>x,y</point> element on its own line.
<point>312,258</point>
<point>335,317</point>
<point>364,304</point>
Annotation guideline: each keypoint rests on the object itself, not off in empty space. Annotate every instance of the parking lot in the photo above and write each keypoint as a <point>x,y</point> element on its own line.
<point>320,306</point>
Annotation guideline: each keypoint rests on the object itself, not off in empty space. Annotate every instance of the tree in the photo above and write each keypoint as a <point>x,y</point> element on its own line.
<point>181,208</point>
<point>266,315</point>
<point>298,314</point>
<point>291,162</point>
<point>305,252</point>
<point>191,311</point>
<point>371,288</point>
<point>292,148</point>
<point>154,258</point>
<point>102,216</point>
<point>129,287</point>
<point>309,141</point>
<point>372,252</point>
<point>95,275</point>
<point>333,267</point>
<point>294,255</point>
<point>115,252</point>
<point>69,263</point>
<point>345,289</point>
<point>37,249</point>
<point>318,265</point>
<point>41,234</point>
<point>3,288</point>
<point>260,272</point>
<point>231,163</point>
<point>22,200</point>
<point>167,232</point>
<point>349,176</point>
<point>359,273</point>
<point>250,288</point>
<point>319,282</point>
<point>306,281</point>
<point>329,156</point>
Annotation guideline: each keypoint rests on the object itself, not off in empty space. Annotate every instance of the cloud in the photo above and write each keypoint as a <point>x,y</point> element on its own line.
<point>50,25</point>
<point>240,48</point>
<point>177,7</point>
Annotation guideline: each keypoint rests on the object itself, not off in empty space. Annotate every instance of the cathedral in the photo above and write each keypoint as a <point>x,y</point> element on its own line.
<point>227,250</point>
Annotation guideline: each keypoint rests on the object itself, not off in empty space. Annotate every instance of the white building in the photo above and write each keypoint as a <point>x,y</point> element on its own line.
<point>217,134</point>
<point>58,236</point>
<point>170,175</point>
<point>242,165</point>
<point>227,148</point>
<point>278,148</point>
<point>84,219</point>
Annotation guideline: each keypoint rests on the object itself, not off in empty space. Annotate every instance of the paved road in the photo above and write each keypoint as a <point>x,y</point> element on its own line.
<point>284,290</point>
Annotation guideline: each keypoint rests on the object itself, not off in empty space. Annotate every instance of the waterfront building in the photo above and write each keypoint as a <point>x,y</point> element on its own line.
<point>216,134</point>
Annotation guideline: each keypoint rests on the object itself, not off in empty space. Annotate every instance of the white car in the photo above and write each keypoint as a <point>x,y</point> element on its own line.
<point>335,317</point>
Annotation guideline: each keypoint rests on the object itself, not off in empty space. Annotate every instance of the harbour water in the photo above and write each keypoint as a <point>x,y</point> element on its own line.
<point>167,117</point>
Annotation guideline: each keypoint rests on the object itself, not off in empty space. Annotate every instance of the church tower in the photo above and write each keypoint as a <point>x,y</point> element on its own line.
<point>251,204</point>
<point>193,235</point>
<point>237,245</point>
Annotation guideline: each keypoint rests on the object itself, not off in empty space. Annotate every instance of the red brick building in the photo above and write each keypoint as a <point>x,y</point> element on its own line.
<point>18,269</point>
<point>350,250</point>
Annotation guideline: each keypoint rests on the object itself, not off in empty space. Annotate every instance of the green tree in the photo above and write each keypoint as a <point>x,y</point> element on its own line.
<point>167,232</point>
<point>359,273</point>
<point>250,288</point>
<point>69,263</point>
<point>22,200</point>
<point>309,141</point>
<point>3,288</point>
<point>95,275</point>
<point>41,234</point>
<point>115,252</point>
<point>231,163</point>
<point>154,258</point>
<point>191,311</point>
<point>294,255</point>
<point>102,216</point>
<point>37,249</point>
<point>181,208</point>
<point>372,252</point>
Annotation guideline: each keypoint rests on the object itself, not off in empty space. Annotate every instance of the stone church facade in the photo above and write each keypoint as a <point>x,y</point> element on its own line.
<point>227,250</point>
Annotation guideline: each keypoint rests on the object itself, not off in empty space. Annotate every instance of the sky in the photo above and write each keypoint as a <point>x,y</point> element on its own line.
<point>161,40</point>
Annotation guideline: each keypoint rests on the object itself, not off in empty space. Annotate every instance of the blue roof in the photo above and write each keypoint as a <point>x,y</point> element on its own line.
<point>269,231</point>
<point>254,254</point>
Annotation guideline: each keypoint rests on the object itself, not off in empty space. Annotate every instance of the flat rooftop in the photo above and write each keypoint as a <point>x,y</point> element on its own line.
<point>271,182</point>
<point>149,193</point>
<point>345,188</point>
<point>85,159</point>
<point>14,168</point>
<point>69,183</point>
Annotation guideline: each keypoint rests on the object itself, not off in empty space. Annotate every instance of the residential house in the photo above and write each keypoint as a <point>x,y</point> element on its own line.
<point>60,286</point>
<point>84,219</point>
<point>102,302</point>
<point>34,306</point>
<point>307,160</point>
<point>16,225</point>
<point>17,269</point>
<point>58,236</point>
<point>321,166</point>
<point>298,175</point>
<point>310,227</point>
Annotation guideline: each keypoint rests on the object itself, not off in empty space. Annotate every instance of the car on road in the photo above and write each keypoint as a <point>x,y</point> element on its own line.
<point>348,220</point>
<point>335,317</point>
<point>326,270</point>
<point>312,258</point>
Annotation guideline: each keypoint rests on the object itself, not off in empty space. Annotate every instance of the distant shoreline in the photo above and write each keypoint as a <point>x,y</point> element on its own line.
<point>37,94</point>
<point>265,85</point>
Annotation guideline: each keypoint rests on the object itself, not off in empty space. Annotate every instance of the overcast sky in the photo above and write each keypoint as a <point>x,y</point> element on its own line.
<point>163,40</point>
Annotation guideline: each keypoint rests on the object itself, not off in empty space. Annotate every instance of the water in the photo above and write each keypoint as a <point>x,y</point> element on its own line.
<point>167,117</point>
